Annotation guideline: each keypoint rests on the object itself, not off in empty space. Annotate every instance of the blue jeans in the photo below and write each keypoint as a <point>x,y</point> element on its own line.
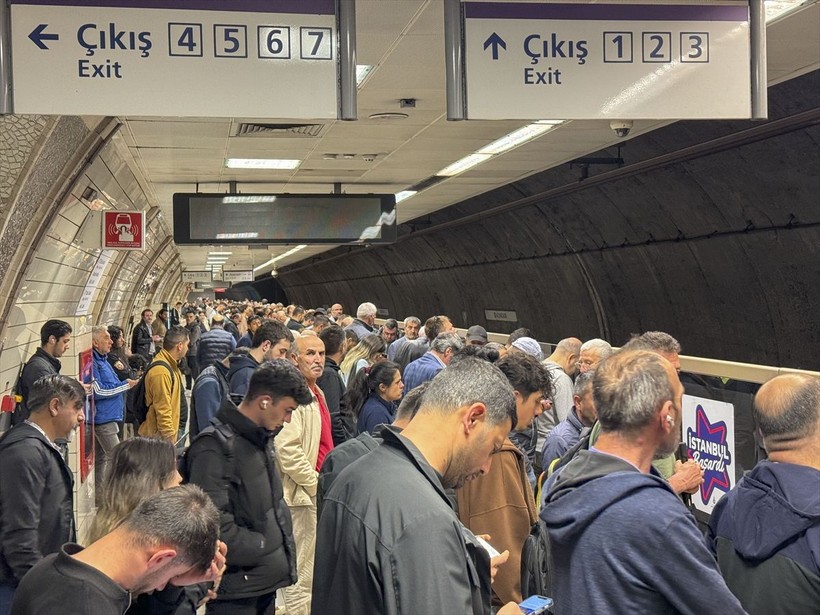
<point>6,597</point>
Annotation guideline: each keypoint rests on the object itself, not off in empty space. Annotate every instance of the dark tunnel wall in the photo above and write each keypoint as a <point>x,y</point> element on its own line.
<point>722,249</point>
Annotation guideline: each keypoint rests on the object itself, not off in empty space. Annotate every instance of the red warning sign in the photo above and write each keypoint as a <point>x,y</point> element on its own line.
<point>124,230</point>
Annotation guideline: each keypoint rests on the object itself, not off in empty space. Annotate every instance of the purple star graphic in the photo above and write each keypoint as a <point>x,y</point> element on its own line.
<point>713,433</point>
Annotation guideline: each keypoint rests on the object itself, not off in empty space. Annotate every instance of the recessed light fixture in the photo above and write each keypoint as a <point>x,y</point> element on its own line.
<point>237,235</point>
<point>515,138</point>
<point>239,199</point>
<point>388,115</point>
<point>262,163</point>
<point>404,194</point>
<point>459,166</point>
<point>362,71</point>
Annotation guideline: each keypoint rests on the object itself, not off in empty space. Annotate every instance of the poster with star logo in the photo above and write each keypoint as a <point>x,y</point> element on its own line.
<point>709,435</point>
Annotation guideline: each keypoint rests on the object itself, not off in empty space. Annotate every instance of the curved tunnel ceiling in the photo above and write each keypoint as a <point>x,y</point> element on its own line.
<point>718,245</point>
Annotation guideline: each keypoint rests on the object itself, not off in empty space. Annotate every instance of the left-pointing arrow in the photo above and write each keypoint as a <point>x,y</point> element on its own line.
<point>38,35</point>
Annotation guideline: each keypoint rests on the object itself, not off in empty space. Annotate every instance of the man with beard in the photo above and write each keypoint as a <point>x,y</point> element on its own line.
<point>389,540</point>
<point>609,510</point>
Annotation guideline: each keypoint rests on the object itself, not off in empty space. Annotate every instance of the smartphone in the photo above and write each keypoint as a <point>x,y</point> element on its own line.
<point>487,547</point>
<point>535,605</point>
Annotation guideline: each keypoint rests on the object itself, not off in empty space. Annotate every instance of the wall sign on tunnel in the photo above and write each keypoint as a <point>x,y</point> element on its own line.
<point>124,230</point>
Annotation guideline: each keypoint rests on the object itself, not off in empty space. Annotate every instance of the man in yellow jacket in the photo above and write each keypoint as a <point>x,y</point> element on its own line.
<point>163,387</point>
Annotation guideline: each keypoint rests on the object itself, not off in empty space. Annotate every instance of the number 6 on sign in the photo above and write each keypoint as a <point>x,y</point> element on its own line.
<point>274,42</point>
<point>316,43</point>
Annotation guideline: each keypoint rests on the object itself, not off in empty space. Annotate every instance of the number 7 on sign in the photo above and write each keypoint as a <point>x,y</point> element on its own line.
<point>316,43</point>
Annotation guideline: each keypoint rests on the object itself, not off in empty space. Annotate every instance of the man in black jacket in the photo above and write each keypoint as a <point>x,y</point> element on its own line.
<point>143,340</point>
<point>233,461</point>
<point>389,541</point>
<point>55,337</point>
<point>271,341</point>
<point>333,386</point>
<point>36,485</point>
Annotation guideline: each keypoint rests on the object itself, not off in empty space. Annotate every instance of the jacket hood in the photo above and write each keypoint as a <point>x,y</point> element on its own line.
<point>570,508</point>
<point>239,362</point>
<point>775,503</point>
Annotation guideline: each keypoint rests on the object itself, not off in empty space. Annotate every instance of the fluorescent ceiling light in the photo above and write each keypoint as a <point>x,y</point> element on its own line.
<point>362,71</point>
<point>780,8</point>
<point>552,122</point>
<point>262,163</point>
<point>237,235</point>
<point>276,259</point>
<point>219,253</point>
<point>238,199</point>
<point>459,166</point>
<point>404,194</point>
<point>516,138</point>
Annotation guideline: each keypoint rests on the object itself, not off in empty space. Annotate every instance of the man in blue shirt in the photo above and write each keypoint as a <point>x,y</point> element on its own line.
<point>433,361</point>
<point>109,401</point>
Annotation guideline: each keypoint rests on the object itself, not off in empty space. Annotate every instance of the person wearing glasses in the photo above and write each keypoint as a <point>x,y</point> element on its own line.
<point>593,352</point>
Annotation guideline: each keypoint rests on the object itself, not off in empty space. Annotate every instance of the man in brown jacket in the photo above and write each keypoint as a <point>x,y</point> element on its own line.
<point>501,503</point>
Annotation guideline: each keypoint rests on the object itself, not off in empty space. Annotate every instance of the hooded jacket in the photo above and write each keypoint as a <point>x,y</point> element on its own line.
<point>241,369</point>
<point>766,536</point>
<point>622,542</point>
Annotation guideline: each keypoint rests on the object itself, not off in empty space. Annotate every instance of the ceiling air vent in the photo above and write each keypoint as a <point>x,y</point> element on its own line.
<point>247,129</point>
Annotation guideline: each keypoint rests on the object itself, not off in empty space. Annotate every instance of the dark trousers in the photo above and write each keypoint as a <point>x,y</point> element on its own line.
<point>193,371</point>
<point>259,605</point>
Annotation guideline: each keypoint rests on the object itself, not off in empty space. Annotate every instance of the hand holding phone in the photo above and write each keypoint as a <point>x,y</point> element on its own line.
<point>535,605</point>
<point>488,547</point>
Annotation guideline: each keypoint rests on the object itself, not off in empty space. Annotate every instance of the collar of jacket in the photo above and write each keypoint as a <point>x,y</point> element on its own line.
<point>403,446</point>
<point>53,360</point>
<point>97,354</point>
<point>229,414</point>
<point>575,421</point>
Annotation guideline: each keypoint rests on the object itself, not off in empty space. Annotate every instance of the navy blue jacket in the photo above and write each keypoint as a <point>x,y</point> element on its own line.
<point>561,438</point>
<point>215,345</point>
<point>375,411</point>
<point>420,371</point>
<point>766,536</point>
<point>109,391</point>
<point>241,369</point>
<point>623,542</point>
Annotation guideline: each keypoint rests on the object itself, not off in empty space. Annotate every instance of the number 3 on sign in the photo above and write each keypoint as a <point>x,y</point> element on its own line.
<point>185,39</point>
<point>694,47</point>
<point>274,42</point>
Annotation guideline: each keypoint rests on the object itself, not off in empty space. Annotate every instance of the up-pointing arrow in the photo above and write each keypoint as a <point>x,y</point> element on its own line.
<point>38,35</point>
<point>496,42</point>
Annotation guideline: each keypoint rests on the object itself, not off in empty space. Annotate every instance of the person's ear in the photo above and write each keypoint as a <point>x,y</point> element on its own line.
<point>474,416</point>
<point>160,557</point>
<point>54,406</point>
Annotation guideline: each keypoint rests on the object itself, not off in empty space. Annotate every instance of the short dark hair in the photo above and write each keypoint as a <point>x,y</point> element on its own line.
<point>115,332</point>
<point>433,326</point>
<point>297,310</point>
<point>279,378</point>
<point>137,362</point>
<point>320,319</point>
<point>333,337</point>
<point>57,328</point>
<point>253,318</point>
<point>271,331</point>
<point>184,518</point>
<point>174,336</point>
<point>54,385</point>
<point>519,333</point>
<point>411,403</point>
<point>391,323</point>
<point>526,374</point>
<point>142,314</point>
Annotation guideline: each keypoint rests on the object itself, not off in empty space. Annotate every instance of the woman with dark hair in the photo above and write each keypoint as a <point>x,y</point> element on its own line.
<point>372,395</point>
<point>118,355</point>
<point>141,467</point>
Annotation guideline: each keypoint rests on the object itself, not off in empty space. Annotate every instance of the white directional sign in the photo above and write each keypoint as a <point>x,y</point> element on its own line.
<point>237,276</point>
<point>201,58</point>
<point>198,277</point>
<point>607,61</point>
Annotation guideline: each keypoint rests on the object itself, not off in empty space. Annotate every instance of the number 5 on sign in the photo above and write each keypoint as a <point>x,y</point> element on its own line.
<point>274,42</point>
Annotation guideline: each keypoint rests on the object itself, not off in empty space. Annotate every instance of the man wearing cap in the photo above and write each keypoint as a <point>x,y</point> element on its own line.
<point>476,336</point>
<point>433,361</point>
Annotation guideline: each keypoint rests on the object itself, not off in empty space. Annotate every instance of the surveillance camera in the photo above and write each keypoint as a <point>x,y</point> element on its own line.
<point>369,157</point>
<point>274,273</point>
<point>621,127</point>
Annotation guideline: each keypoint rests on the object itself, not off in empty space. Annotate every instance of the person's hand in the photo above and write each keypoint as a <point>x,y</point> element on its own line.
<point>687,478</point>
<point>213,573</point>
<point>511,608</point>
<point>132,383</point>
<point>496,562</point>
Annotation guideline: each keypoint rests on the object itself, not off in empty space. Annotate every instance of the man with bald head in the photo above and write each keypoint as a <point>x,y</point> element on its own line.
<point>766,531</point>
<point>561,367</point>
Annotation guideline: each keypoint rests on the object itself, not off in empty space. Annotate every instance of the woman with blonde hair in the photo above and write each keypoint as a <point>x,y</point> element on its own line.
<point>370,349</point>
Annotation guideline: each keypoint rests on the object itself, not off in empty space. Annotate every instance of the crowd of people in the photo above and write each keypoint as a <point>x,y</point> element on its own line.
<point>337,466</point>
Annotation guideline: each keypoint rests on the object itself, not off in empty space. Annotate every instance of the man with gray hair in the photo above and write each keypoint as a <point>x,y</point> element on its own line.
<point>433,361</point>
<point>365,322</point>
<point>412,325</point>
<point>170,537</point>
<point>389,540</point>
<point>609,511</point>
<point>593,352</point>
<point>776,570</point>
<point>568,432</point>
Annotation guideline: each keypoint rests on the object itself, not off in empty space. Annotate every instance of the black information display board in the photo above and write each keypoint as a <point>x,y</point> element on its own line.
<point>241,219</point>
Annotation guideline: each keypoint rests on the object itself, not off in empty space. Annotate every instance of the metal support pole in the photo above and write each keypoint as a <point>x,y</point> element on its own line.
<point>6,103</point>
<point>757,34</point>
<point>454,61</point>
<point>347,61</point>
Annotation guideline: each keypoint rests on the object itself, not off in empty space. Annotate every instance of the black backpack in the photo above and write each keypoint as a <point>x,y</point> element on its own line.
<point>536,562</point>
<point>225,437</point>
<point>136,410</point>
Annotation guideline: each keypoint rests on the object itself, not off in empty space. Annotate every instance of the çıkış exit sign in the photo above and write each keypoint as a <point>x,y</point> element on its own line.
<point>202,58</point>
<point>607,61</point>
